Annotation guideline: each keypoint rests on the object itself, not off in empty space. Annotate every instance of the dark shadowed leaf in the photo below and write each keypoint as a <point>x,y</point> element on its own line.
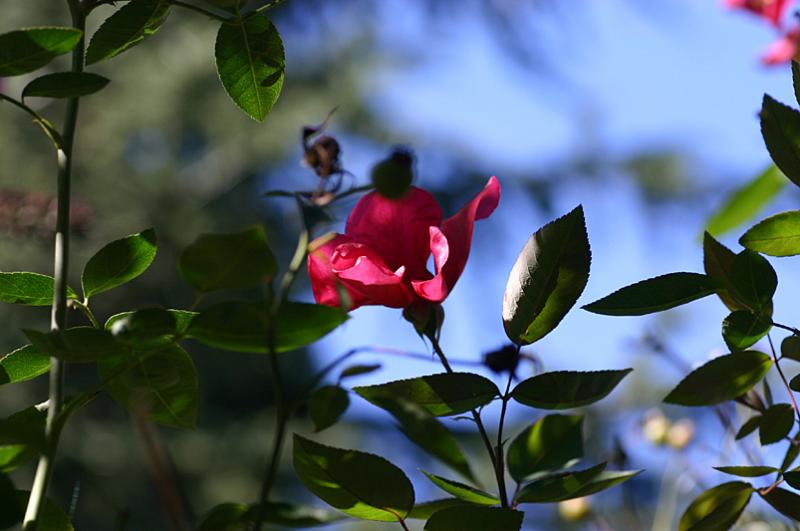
<point>240,516</point>
<point>780,127</point>
<point>747,471</point>
<point>547,278</point>
<point>126,28</point>
<point>23,364</point>
<point>30,289</point>
<point>228,261</point>
<point>463,491</point>
<point>777,235</point>
<point>119,262</point>
<point>326,405</point>
<point>562,486</point>
<point>746,201</point>
<point>439,394</point>
<point>553,441</point>
<point>145,328</point>
<point>160,384</point>
<point>26,50</point>
<point>81,344</point>
<point>792,453</point>
<point>796,80</point>
<point>790,348</point>
<point>65,85</point>
<point>250,64</point>
<point>742,329</point>
<point>424,510</point>
<point>748,427</point>
<point>776,423</point>
<point>26,428</point>
<point>467,518</point>
<point>425,430</point>
<point>358,370</point>
<point>717,262</point>
<point>717,508</point>
<point>656,294</point>
<point>785,502</point>
<point>300,324</point>
<point>567,389</point>
<point>359,484</point>
<point>792,477</point>
<point>721,379</point>
<point>11,511</point>
<point>754,281</point>
<point>51,517</point>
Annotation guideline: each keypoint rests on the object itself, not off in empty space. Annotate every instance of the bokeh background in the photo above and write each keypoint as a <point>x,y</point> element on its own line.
<point>644,111</point>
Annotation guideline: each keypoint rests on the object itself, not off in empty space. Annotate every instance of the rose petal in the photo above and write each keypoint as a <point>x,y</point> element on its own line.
<point>324,283</point>
<point>457,235</point>
<point>783,50</point>
<point>771,10</point>
<point>397,229</point>
<point>375,283</point>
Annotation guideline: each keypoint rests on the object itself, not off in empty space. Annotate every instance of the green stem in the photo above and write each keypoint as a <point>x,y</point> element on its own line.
<point>198,9</point>
<point>58,317</point>
<point>499,448</point>
<point>791,329</point>
<point>87,312</point>
<point>498,472</point>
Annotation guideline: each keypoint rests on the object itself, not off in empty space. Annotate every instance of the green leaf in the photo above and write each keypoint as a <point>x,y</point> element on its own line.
<point>754,281</point>
<point>796,80</point>
<point>721,379</point>
<point>23,364</point>
<point>11,511</point>
<point>718,263</point>
<point>562,486</point>
<point>656,294</point>
<point>777,235</point>
<point>250,63</point>
<point>160,384</point>
<point>424,510</point>
<point>791,454</point>
<point>30,289</point>
<point>119,262</point>
<point>468,518</point>
<point>26,428</point>
<point>742,329</point>
<point>749,427</point>
<point>790,348</point>
<point>243,327</point>
<point>150,327</point>
<point>717,508</point>
<point>26,50</point>
<point>126,28</point>
<point>82,344</point>
<point>228,261</point>
<point>553,441</point>
<point>794,383</point>
<point>567,389</point>
<point>439,394</point>
<point>747,471</point>
<point>792,477</point>
<point>776,423</point>
<point>785,502</point>
<point>780,127</point>
<point>745,202</point>
<point>51,516</point>
<point>359,484</point>
<point>358,370</point>
<point>462,491</point>
<point>240,516</point>
<point>326,405</point>
<point>65,85</point>
<point>425,430</point>
<point>549,275</point>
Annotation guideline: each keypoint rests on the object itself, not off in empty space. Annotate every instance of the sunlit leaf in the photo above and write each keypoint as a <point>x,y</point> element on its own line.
<point>130,25</point>
<point>549,275</point>
<point>553,441</point>
<point>65,85</point>
<point>359,484</point>
<point>29,289</point>
<point>721,379</point>
<point>26,50</point>
<point>23,364</point>
<point>567,389</point>
<point>717,508</point>
<point>656,294</point>
<point>742,329</point>
<point>777,235</point>
<point>119,262</point>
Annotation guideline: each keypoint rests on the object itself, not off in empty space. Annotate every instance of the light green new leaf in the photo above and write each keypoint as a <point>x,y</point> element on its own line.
<point>119,262</point>
<point>160,384</point>
<point>745,202</point>
<point>549,275</point>
<point>567,389</point>
<point>721,379</point>
<point>135,21</point>
<point>462,491</point>
<point>26,50</point>
<point>780,127</point>
<point>439,394</point>
<point>717,508</point>
<point>250,64</point>
<point>65,85</point>
<point>359,484</point>
<point>23,364</point>
<point>777,235</point>
<point>469,518</point>
<point>228,261</point>
<point>656,294</point>
<point>553,441</point>
<point>29,289</point>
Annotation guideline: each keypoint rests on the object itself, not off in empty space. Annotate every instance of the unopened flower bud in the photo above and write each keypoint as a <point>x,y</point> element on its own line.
<point>680,434</point>
<point>575,509</point>
<point>655,427</point>
<point>392,176</point>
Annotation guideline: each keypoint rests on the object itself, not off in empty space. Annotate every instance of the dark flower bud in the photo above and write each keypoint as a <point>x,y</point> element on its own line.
<point>393,175</point>
<point>502,360</point>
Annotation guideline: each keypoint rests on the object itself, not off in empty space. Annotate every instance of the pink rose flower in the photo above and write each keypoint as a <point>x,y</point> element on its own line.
<point>784,49</point>
<point>381,259</point>
<point>770,10</point>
